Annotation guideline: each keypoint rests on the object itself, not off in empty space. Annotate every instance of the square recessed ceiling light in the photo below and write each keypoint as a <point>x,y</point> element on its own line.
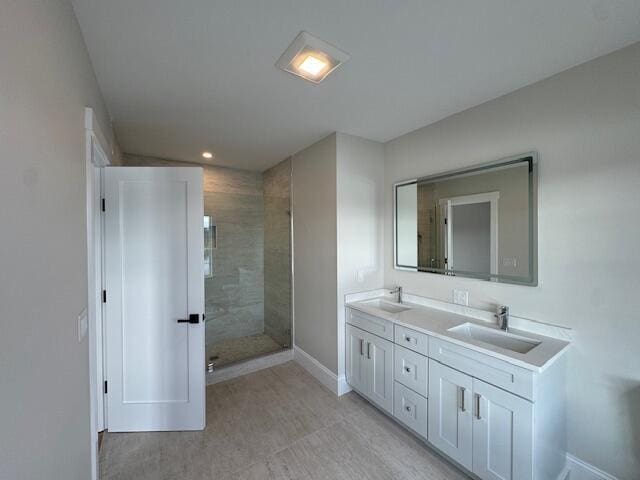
<point>311,58</point>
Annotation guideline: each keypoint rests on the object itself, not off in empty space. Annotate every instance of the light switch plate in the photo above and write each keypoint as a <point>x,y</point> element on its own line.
<point>461,297</point>
<point>83,323</point>
<point>511,262</point>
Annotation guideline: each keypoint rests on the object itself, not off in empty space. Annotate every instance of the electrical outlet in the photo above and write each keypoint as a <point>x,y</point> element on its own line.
<point>83,323</point>
<point>461,297</point>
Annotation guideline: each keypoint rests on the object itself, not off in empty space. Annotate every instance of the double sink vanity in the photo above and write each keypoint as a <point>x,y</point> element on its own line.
<point>490,400</point>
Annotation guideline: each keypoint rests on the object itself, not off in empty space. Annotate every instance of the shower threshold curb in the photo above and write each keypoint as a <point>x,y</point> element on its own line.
<point>249,366</point>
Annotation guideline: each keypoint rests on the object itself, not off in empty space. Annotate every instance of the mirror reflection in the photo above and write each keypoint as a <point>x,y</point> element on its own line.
<point>477,222</point>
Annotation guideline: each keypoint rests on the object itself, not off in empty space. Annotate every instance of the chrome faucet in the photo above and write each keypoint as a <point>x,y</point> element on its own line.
<point>503,317</point>
<point>397,290</point>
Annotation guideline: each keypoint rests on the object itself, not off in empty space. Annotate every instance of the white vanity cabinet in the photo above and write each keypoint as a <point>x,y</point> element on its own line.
<point>490,416</point>
<point>450,421</point>
<point>411,369</point>
<point>502,434</point>
<point>483,428</point>
<point>356,364</point>
<point>410,408</point>
<point>370,366</point>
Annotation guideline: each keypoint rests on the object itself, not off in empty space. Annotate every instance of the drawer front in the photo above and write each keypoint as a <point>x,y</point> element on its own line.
<point>492,370</point>
<point>410,408</point>
<point>416,341</point>
<point>411,369</point>
<point>378,326</point>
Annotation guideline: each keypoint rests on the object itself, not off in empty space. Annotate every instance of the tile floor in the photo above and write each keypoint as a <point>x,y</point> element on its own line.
<point>278,423</point>
<point>237,349</point>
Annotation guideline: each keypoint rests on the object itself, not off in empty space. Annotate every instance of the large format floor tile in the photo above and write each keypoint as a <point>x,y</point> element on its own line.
<point>278,423</point>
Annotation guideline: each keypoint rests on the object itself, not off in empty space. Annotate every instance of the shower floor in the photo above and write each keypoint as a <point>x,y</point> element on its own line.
<point>238,349</point>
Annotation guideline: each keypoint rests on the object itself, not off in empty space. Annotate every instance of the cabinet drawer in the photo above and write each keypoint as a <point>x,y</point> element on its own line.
<point>492,370</point>
<point>378,326</point>
<point>410,408</point>
<point>411,369</point>
<point>416,341</point>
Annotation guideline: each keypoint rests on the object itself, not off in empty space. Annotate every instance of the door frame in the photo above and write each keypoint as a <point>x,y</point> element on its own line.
<point>448,203</point>
<point>97,156</point>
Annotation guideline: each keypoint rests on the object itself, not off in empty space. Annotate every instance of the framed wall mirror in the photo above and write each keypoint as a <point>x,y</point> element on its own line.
<point>478,222</point>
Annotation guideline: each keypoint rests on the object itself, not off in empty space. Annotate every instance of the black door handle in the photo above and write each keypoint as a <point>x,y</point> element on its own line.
<point>193,318</point>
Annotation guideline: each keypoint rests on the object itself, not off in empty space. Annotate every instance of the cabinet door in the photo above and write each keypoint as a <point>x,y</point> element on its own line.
<point>502,434</point>
<point>379,354</point>
<point>356,359</point>
<point>450,420</point>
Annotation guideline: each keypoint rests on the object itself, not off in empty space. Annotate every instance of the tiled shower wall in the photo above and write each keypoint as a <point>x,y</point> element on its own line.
<point>234,296</point>
<point>277,252</point>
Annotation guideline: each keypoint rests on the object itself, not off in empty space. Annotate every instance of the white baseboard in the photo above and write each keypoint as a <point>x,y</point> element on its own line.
<point>580,470</point>
<point>326,377</point>
<point>343,386</point>
<point>250,366</point>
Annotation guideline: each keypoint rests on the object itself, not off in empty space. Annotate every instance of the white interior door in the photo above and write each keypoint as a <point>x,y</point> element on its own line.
<point>470,232</point>
<point>154,285</point>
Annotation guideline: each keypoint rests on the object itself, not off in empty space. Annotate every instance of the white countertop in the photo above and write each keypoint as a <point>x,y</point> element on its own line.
<point>436,323</point>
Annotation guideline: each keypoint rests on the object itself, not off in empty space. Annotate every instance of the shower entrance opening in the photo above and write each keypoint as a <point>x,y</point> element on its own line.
<point>247,263</point>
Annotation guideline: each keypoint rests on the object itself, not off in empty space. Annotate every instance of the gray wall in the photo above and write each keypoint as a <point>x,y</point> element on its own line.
<point>585,124</point>
<point>46,82</point>
<point>315,250</point>
<point>234,297</point>
<point>277,252</point>
<point>338,238</point>
<point>360,231</point>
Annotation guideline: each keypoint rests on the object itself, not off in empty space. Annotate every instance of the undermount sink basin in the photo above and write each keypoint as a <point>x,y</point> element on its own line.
<point>498,338</point>
<point>386,306</point>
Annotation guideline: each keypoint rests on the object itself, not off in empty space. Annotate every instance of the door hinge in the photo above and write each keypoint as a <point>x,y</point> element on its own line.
<point>106,387</point>
<point>103,206</point>
<point>446,261</point>
<point>445,220</point>
<point>104,296</point>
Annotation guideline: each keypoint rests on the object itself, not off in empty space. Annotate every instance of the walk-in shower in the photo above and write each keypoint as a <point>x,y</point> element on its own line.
<point>247,263</point>
<point>247,260</point>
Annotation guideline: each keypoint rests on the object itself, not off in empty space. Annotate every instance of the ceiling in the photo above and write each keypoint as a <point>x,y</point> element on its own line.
<point>181,77</point>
